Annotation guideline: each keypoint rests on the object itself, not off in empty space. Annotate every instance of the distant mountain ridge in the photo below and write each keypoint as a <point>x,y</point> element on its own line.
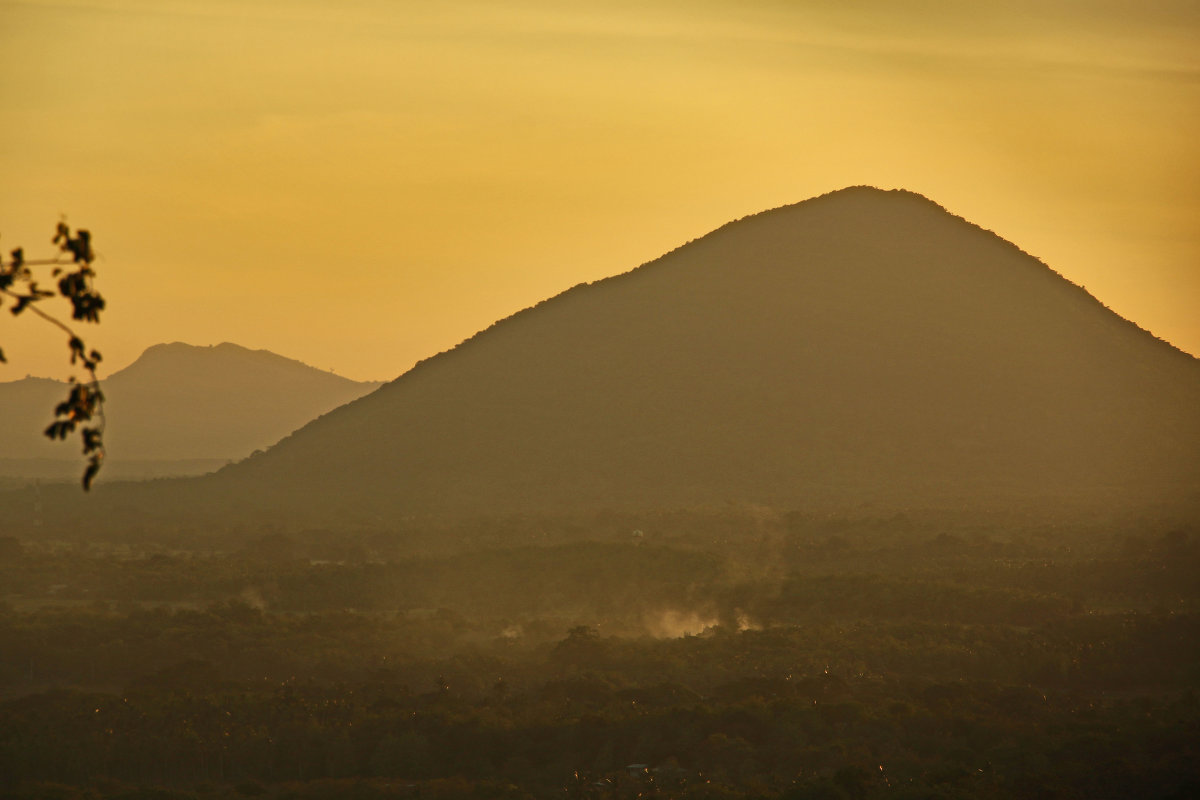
<point>180,402</point>
<point>862,348</point>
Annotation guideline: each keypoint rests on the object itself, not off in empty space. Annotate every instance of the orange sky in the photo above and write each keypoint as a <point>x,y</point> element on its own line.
<point>362,184</point>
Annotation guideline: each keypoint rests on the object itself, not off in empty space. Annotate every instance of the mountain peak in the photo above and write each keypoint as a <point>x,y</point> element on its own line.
<point>862,346</point>
<point>182,402</point>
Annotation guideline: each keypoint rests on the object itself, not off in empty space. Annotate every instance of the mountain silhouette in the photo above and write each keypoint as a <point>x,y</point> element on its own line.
<point>862,347</point>
<point>177,403</point>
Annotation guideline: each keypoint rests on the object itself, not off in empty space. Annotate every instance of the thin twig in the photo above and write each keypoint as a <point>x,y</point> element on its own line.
<point>46,262</point>
<point>40,313</point>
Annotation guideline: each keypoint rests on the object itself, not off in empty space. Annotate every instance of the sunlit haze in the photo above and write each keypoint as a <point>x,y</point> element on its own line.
<point>360,185</point>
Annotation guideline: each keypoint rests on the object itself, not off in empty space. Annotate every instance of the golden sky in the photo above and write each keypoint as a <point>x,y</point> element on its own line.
<point>364,183</point>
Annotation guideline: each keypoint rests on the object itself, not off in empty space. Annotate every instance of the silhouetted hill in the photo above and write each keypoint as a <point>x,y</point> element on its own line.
<point>863,347</point>
<point>176,403</point>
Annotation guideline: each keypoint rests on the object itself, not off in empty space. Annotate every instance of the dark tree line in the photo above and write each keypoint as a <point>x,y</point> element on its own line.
<point>869,662</point>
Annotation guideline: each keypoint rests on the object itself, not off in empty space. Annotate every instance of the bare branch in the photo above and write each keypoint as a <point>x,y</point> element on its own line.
<point>31,307</point>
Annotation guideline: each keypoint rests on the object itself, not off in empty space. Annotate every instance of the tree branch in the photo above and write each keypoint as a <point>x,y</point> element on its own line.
<point>84,406</point>
<point>31,307</point>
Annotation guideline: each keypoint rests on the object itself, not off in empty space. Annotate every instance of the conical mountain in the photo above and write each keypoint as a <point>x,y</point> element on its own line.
<point>865,346</point>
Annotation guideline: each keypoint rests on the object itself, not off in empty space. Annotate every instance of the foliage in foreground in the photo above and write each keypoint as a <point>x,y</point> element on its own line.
<point>84,406</point>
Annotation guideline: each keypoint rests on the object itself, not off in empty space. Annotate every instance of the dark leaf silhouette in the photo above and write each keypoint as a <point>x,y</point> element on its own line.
<point>89,474</point>
<point>84,401</point>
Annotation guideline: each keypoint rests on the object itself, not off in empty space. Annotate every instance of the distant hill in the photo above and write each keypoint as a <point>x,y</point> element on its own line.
<point>865,348</point>
<point>178,409</point>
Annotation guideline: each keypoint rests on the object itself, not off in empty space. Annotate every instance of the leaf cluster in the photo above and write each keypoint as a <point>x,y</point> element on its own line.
<point>83,408</point>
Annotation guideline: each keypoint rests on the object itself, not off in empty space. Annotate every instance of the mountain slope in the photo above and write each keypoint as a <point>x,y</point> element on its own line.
<point>179,402</point>
<point>864,346</point>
